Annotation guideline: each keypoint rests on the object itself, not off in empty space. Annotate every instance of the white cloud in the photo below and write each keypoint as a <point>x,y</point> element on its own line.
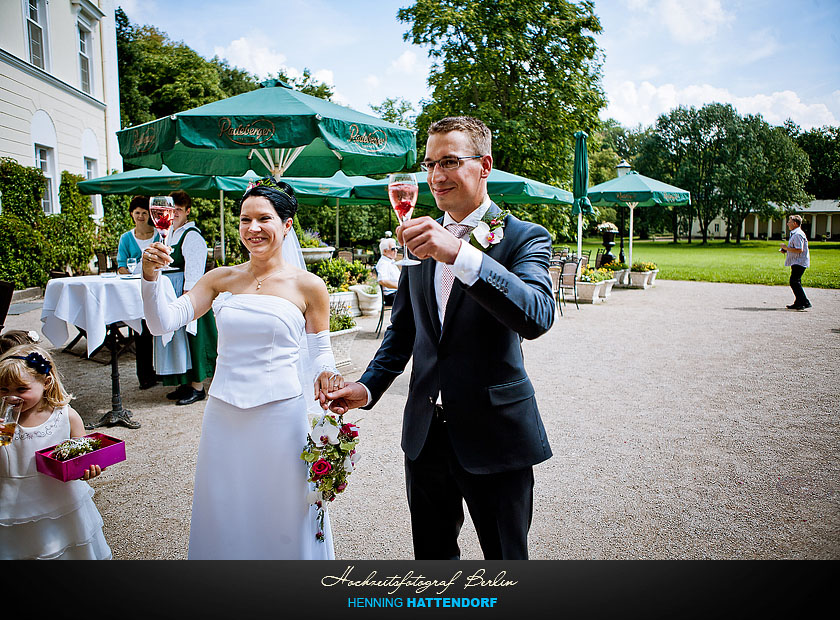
<point>687,21</point>
<point>631,104</point>
<point>408,63</point>
<point>254,54</point>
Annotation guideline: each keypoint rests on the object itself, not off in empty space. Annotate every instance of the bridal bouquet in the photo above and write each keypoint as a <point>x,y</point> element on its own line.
<point>330,452</point>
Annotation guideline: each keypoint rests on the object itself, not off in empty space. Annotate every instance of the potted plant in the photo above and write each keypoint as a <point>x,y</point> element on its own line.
<point>589,285</point>
<point>368,295</point>
<point>621,273</point>
<point>343,331</point>
<point>335,272</point>
<point>640,274</point>
<point>609,281</point>
<point>313,248</point>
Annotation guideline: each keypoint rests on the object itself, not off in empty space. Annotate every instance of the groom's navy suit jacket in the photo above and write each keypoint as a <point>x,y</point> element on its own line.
<point>475,359</point>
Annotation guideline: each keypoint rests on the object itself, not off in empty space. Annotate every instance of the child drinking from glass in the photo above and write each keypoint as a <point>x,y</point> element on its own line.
<point>41,517</point>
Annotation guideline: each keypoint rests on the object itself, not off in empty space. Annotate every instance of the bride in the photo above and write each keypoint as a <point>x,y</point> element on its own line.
<point>274,365</point>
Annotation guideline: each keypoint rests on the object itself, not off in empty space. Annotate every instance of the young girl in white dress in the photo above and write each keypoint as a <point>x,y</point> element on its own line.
<point>250,499</point>
<point>41,517</point>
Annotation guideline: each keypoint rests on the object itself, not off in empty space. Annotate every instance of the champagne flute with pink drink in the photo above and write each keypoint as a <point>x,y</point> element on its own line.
<point>402,192</point>
<point>162,211</point>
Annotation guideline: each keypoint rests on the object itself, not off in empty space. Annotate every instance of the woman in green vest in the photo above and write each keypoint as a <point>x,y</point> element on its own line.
<point>188,357</point>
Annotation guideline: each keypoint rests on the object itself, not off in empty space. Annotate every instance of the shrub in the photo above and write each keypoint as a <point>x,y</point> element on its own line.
<point>22,260</point>
<point>23,188</point>
<point>594,275</point>
<point>340,317</point>
<point>643,266</point>
<point>615,266</point>
<point>335,274</point>
<point>357,272</point>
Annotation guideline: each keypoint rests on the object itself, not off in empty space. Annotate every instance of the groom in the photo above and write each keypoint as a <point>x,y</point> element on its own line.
<point>471,428</point>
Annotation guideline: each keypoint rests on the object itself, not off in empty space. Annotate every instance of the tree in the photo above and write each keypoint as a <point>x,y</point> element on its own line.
<point>530,69</point>
<point>159,77</point>
<point>822,145</point>
<point>686,148</point>
<point>307,84</point>
<point>762,165</point>
<point>396,110</point>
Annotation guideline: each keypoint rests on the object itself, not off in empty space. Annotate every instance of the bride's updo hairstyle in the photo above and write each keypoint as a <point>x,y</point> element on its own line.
<point>279,194</point>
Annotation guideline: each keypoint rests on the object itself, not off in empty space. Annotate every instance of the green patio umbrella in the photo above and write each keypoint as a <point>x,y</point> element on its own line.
<point>308,191</point>
<point>273,130</point>
<point>580,185</point>
<point>503,187</point>
<point>636,190</point>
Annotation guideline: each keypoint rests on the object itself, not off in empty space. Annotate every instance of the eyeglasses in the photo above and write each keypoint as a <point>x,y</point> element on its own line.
<point>447,163</point>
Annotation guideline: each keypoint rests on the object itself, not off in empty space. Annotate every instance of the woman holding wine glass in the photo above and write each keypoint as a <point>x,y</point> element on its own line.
<point>189,357</point>
<point>129,252</point>
<point>275,363</point>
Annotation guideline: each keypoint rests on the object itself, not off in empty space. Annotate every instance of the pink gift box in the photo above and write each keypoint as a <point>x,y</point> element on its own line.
<point>112,451</point>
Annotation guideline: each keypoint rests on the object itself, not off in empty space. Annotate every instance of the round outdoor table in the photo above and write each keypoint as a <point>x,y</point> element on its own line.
<point>96,305</point>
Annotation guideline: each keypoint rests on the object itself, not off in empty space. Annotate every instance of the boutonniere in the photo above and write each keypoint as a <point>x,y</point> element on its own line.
<point>489,231</point>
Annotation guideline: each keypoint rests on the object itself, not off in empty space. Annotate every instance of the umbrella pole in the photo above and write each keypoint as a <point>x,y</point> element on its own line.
<point>632,206</point>
<point>222,221</point>
<point>580,234</point>
<point>336,224</point>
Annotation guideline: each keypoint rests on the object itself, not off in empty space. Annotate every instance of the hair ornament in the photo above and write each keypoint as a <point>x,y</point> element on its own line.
<point>35,361</point>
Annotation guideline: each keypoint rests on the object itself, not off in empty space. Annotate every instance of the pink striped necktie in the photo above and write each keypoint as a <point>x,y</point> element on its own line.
<point>446,276</point>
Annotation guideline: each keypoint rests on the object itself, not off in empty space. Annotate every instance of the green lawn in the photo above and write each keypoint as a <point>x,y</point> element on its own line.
<point>750,262</point>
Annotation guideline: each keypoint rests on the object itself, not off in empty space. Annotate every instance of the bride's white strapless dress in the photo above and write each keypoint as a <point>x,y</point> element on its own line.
<point>249,500</point>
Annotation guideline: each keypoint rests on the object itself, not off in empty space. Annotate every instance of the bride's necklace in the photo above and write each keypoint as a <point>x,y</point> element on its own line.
<point>259,282</point>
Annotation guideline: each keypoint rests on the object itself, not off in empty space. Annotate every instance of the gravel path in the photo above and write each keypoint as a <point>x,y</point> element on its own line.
<point>691,420</point>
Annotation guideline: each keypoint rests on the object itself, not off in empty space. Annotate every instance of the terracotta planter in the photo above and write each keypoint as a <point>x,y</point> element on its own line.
<point>342,343</point>
<point>315,255</point>
<point>640,279</point>
<point>349,299</point>
<point>589,292</point>
<point>607,288</point>
<point>369,305</point>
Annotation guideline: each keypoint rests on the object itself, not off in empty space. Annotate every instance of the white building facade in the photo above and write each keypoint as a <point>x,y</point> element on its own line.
<point>59,89</point>
<point>820,220</point>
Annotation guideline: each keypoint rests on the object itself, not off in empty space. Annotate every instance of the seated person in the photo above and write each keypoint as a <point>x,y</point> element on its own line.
<point>387,271</point>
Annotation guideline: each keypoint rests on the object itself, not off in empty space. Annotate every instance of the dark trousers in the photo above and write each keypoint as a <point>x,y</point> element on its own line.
<point>500,504</point>
<point>144,356</point>
<point>796,272</point>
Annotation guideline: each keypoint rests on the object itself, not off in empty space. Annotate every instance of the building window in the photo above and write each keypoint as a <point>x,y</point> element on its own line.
<point>44,161</point>
<point>85,63</point>
<point>35,26</point>
<point>717,228</point>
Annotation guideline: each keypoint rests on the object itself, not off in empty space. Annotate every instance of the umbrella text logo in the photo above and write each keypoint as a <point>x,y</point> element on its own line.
<point>144,140</point>
<point>254,133</point>
<point>371,142</point>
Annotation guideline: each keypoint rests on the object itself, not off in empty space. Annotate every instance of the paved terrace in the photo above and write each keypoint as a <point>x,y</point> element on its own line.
<point>691,420</point>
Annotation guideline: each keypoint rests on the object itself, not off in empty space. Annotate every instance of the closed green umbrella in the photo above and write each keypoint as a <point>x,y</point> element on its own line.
<point>580,185</point>
<point>503,187</point>
<point>274,131</point>
<point>636,190</point>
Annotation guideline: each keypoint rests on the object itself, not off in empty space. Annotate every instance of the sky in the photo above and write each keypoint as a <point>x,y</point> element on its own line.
<point>779,58</point>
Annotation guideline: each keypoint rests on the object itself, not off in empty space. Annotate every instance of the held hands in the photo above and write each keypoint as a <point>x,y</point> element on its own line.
<point>325,383</point>
<point>91,472</point>
<point>155,257</point>
<point>425,238</point>
<point>350,396</point>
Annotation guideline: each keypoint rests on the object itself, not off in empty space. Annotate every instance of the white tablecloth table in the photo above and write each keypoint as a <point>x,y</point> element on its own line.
<point>91,303</point>
<point>95,304</point>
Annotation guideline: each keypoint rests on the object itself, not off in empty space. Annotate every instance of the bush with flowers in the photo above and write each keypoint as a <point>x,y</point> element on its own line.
<point>606,227</point>
<point>643,266</point>
<point>330,452</point>
<point>594,275</point>
<point>615,266</point>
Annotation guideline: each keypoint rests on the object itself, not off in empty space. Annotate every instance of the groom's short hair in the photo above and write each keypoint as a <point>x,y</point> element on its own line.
<point>478,132</point>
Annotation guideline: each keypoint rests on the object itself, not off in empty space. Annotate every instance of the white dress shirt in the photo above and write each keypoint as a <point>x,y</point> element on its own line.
<point>194,250</point>
<point>467,263</point>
